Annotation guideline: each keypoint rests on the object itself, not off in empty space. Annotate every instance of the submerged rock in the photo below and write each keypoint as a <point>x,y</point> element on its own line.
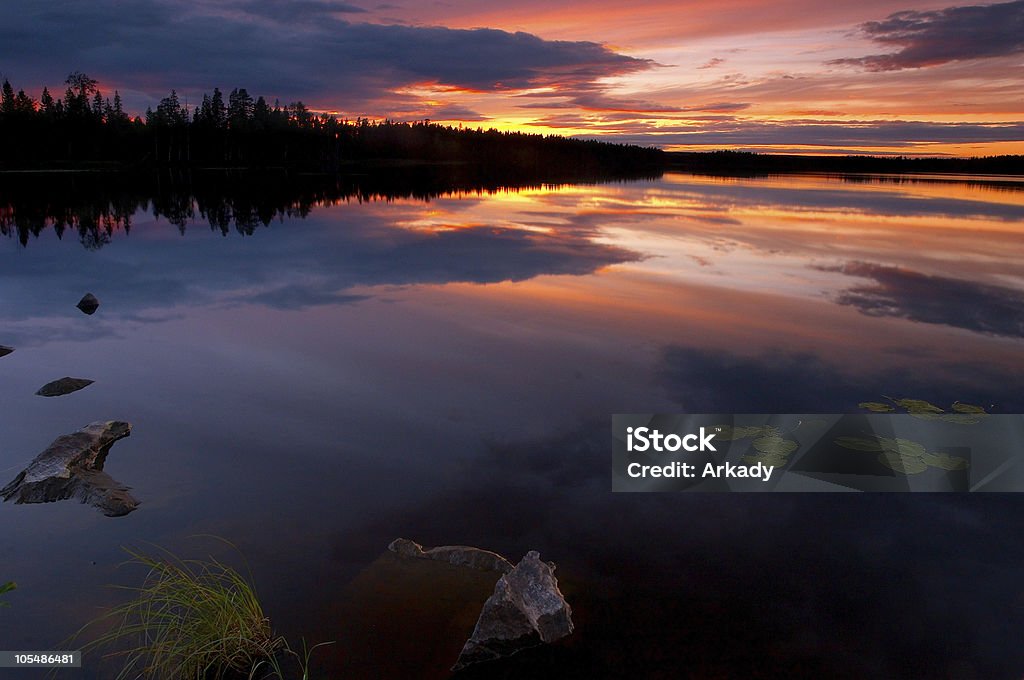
<point>63,386</point>
<point>88,304</point>
<point>72,466</point>
<point>526,609</point>
<point>5,350</point>
<point>459,555</point>
<point>403,617</point>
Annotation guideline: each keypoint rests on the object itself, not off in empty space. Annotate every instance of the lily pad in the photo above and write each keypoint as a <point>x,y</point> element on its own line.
<point>63,386</point>
<point>859,443</point>
<point>962,418</point>
<point>961,407</point>
<point>907,465</point>
<point>918,406</point>
<point>775,445</point>
<point>770,459</point>
<point>876,406</point>
<point>945,462</point>
<point>902,447</point>
<point>729,433</point>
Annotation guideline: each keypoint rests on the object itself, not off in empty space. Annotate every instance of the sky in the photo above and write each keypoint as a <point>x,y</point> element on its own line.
<point>875,76</point>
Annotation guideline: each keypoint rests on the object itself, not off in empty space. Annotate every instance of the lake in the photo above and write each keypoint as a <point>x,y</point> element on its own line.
<point>311,372</point>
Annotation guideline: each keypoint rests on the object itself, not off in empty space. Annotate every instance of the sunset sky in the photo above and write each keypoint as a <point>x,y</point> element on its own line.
<point>878,76</point>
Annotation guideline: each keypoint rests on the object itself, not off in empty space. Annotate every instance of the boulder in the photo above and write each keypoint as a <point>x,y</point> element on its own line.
<point>458,555</point>
<point>5,350</point>
<point>88,304</point>
<point>526,609</point>
<point>72,466</point>
<point>63,386</point>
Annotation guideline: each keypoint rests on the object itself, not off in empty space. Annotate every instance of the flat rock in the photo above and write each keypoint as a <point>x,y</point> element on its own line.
<point>5,350</point>
<point>72,466</point>
<point>526,609</point>
<point>88,304</point>
<point>63,386</point>
<point>458,555</point>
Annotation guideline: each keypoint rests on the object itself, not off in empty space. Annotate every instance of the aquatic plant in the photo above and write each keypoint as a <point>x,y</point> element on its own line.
<point>191,619</point>
<point>962,414</point>
<point>6,588</point>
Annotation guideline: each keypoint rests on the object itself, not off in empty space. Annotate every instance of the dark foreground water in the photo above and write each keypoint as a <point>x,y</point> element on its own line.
<point>370,365</point>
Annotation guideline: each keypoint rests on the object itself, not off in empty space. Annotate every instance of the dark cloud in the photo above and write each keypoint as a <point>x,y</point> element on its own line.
<point>272,48</point>
<point>932,299</point>
<point>289,11</point>
<point>599,101</point>
<point>941,36</point>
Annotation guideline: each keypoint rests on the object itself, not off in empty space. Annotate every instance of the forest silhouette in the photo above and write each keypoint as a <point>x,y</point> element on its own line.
<point>85,127</point>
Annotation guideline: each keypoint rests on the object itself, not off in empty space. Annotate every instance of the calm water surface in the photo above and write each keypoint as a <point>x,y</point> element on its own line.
<point>445,370</point>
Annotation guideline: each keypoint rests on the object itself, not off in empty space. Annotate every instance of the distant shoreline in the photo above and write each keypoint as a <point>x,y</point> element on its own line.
<point>725,163</point>
<point>739,163</point>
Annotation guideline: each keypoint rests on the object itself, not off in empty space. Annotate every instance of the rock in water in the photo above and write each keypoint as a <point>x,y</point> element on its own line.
<point>459,555</point>
<point>526,609</point>
<point>88,304</point>
<point>72,466</point>
<point>5,350</point>
<point>63,386</point>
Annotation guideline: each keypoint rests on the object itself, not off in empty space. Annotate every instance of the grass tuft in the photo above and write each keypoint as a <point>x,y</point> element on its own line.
<point>6,588</point>
<point>190,619</point>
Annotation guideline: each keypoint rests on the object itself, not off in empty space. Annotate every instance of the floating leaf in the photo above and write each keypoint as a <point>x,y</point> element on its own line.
<point>901,447</point>
<point>859,444</point>
<point>917,406</point>
<point>729,433</point>
<point>769,459</point>
<point>775,445</point>
<point>962,418</point>
<point>941,460</point>
<point>961,407</point>
<point>876,406</point>
<point>907,465</point>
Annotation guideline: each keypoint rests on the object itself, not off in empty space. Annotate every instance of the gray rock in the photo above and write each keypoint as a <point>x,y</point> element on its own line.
<point>459,555</point>
<point>72,466</point>
<point>5,350</point>
<point>88,304</point>
<point>63,386</point>
<point>526,609</point>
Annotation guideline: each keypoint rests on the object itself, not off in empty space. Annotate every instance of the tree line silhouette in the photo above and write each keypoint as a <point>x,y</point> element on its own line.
<point>86,127</point>
<point>742,163</point>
